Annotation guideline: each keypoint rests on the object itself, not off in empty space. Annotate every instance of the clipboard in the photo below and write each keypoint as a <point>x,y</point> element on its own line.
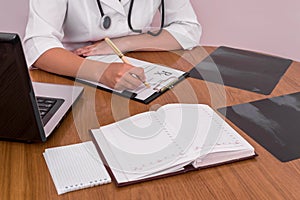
<point>160,78</point>
<point>132,95</point>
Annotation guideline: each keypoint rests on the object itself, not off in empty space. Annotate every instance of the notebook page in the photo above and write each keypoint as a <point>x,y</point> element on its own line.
<point>139,146</point>
<point>228,146</point>
<point>75,167</point>
<point>191,125</point>
<point>229,139</point>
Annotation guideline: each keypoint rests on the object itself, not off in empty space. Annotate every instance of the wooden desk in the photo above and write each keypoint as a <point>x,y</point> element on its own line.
<point>24,174</point>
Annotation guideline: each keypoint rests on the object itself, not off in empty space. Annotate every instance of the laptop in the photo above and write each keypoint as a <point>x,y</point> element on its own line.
<point>29,111</point>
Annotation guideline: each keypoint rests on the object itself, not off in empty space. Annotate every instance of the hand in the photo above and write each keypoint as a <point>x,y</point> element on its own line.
<point>119,76</point>
<point>98,48</point>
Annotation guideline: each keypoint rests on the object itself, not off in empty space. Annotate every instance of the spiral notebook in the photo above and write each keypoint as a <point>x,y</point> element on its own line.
<point>174,139</point>
<point>75,167</point>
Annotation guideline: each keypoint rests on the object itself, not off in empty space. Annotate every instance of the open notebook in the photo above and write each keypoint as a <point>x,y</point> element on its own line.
<point>174,139</point>
<point>160,78</point>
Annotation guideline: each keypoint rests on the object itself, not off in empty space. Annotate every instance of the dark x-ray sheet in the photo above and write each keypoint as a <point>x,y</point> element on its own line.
<point>273,123</point>
<point>241,69</point>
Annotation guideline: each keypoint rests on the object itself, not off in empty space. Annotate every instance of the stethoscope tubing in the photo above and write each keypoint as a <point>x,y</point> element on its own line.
<point>106,20</point>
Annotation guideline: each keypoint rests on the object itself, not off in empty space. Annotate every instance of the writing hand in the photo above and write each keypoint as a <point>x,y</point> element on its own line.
<point>119,76</point>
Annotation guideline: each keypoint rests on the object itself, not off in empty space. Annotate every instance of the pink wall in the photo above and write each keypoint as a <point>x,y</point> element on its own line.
<point>13,16</point>
<point>262,25</point>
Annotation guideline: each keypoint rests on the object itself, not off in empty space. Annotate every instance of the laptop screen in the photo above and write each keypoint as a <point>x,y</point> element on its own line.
<point>19,116</point>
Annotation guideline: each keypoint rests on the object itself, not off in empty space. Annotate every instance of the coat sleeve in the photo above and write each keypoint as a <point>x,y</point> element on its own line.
<point>44,28</point>
<point>181,22</point>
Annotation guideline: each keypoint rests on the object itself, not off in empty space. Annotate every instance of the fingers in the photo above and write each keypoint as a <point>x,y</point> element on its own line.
<point>97,48</point>
<point>130,82</point>
<point>90,50</point>
<point>138,73</point>
<point>130,79</point>
<point>123,76</point>
<point>80,51</point>
<point>85,51</point>
<point>125,85</point>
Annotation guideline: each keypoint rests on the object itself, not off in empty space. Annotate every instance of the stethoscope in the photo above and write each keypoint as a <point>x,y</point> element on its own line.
<point>105,21</point>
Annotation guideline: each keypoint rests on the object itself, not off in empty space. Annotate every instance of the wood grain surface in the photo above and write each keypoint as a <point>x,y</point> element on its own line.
<point>24,174</point>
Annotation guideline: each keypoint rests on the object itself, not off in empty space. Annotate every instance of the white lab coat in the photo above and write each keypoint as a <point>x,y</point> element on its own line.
<point>72,24</point>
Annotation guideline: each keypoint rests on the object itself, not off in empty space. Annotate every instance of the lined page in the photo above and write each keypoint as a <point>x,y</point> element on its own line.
<point>75,167</point>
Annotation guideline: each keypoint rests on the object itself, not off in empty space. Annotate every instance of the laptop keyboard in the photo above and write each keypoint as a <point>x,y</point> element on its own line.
<point>48,107</point>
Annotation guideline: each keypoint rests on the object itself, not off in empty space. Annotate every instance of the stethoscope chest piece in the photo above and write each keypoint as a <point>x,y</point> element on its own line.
<point>105,22</point>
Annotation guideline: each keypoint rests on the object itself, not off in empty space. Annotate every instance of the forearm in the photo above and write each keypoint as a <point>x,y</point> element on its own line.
<point>64,62</point>
<point>114,75</point>
<point>145,42</point>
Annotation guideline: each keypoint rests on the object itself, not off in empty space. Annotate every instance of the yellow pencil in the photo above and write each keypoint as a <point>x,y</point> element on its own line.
<point>123,58</point>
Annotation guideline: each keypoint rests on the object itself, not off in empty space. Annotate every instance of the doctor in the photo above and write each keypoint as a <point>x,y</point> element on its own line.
<point>60,33</point>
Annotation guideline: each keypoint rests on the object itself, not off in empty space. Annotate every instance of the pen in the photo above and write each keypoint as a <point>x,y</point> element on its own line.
<point>123,58</point>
